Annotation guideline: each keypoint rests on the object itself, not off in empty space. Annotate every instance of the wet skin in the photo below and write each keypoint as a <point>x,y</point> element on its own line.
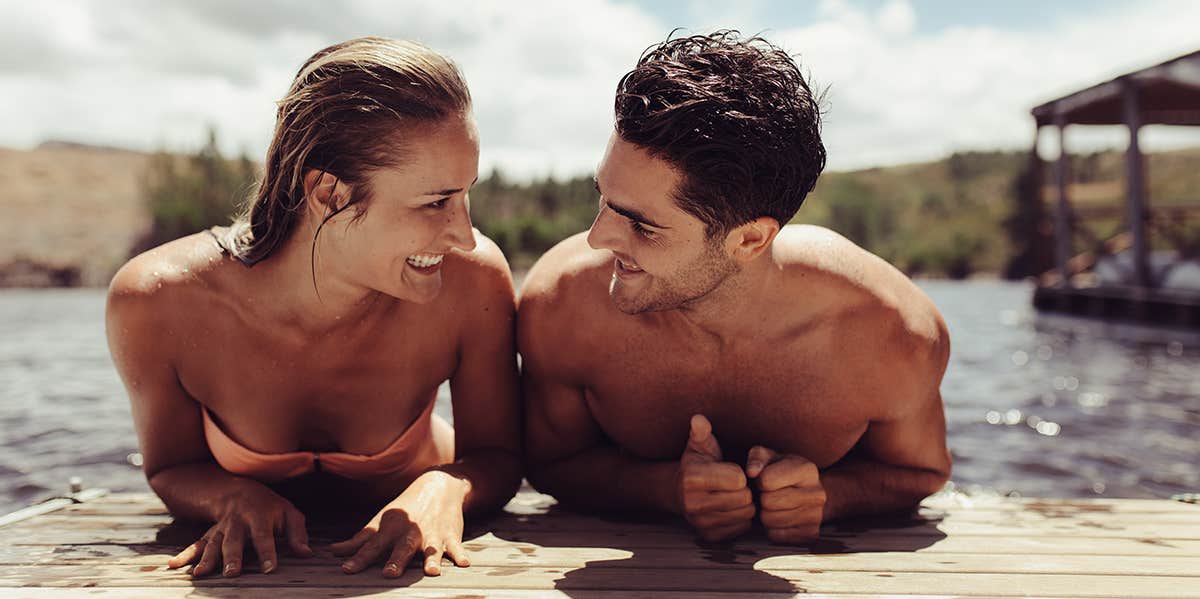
<point>664,372</point>
<point>340,354</point>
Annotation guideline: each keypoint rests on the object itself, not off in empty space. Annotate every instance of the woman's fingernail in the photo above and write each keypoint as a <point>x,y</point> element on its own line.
<point>268,566</point>
<point>348,566</point>
<point>390,569</point>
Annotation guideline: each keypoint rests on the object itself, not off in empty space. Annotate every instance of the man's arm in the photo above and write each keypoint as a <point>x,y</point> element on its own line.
<point>566,453</point>
<point>900,459</point>
<point>895,465</point>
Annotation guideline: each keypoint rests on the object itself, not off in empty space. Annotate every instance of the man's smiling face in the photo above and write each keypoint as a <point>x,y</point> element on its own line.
<point>663,256</point>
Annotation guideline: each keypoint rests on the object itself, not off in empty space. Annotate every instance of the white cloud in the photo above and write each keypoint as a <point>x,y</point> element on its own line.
<point>897,96</point>
<point>149,74</point>
<point>145,74</point>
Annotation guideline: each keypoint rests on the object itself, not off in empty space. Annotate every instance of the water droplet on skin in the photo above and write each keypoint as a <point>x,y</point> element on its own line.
<point>1020,358</point>
<point>1175,348</point>
<point>1045,352</point>
<point>992,417</point>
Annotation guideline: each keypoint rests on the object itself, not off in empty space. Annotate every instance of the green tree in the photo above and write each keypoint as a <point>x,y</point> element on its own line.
<point>186,194</point>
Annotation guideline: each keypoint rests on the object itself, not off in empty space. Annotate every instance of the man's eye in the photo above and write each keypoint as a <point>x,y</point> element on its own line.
<point>640,230</point>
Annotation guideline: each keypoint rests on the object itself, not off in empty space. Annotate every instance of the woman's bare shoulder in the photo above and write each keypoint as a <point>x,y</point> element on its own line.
<point>480,274</point>
<point>161,280</point>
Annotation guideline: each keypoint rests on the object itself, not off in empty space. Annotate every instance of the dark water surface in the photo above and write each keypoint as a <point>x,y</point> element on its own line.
<point>1038,406</point>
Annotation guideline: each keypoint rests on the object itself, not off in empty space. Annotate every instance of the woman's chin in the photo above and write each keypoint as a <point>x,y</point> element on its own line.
<point>417,287</point>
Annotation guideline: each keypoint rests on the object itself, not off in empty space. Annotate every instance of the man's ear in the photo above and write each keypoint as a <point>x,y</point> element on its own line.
<point>749,240</point>
<point>324,193</point>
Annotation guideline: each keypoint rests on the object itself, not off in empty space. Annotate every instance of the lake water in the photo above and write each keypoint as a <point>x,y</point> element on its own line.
<point>1035,405</point>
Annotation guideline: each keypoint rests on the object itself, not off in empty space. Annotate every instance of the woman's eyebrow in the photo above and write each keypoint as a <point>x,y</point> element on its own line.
<point>449,192</point>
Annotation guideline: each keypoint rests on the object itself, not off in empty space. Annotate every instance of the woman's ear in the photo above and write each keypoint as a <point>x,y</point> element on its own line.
<point>324,193</point>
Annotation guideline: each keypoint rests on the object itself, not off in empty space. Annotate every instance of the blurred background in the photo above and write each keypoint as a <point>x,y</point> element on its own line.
<point>130,123</point>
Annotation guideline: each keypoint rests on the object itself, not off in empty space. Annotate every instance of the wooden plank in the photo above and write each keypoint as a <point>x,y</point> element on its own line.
<point>239,592</point>
<point>1093,526</point>
<point>526,555</point>
<point>1042,545</point>
<point>621,579</point>
<point>1153,510</point>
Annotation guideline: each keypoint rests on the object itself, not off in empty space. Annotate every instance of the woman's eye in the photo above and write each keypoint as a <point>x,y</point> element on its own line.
<point>439,204</point>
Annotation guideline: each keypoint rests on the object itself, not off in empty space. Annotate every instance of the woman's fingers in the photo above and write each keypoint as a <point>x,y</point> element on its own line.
<point>211,557</point>
<point>402,552</point>
<point>188,555</point>
<point>433,560</point>
<point>232,548</point>
<point>351,545</point>
<point>264,545</point>
<point>297,534</point>
<point>366,555</point>
<point>458,554</point>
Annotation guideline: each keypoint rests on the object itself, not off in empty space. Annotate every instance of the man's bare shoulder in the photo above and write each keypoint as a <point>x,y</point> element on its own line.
<point>566,290</point>
<point>569,278</point>
<point>872,304</point>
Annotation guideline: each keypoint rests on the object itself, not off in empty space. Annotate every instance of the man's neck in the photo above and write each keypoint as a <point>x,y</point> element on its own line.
<point>740,308</point>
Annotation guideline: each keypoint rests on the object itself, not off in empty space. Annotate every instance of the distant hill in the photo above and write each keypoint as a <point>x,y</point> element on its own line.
<point>73,213</point>
<point>961,215</point>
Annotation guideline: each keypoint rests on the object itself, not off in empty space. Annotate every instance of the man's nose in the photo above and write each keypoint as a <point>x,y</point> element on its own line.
<point>601,235</point>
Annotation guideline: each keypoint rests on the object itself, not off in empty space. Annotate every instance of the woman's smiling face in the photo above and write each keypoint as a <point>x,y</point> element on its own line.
<point>417,212</point>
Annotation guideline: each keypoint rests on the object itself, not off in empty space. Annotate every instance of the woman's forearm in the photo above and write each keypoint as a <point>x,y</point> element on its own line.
<point>492,477</point>
<point>198,491</point>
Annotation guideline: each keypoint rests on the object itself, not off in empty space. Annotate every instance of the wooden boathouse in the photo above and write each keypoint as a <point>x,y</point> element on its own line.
<point>1164,94</point>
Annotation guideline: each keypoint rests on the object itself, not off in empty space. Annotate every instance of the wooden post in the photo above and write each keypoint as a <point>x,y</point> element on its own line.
<point>1134,184</point>
<point>1062,210</point>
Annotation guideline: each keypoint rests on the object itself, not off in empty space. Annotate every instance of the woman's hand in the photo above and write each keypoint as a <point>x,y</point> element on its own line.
<point>426,517</point>
<point>254,511</point>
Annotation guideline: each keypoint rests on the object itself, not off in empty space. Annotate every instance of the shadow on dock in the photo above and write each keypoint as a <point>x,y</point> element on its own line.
<point>664,554</point>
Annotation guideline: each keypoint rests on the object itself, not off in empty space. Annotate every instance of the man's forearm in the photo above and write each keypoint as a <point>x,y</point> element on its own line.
<point>860,486</point>
<point>602,478</point>
<point>493,476</point>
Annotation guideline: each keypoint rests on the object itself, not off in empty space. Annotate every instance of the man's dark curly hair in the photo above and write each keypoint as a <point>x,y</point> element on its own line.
<point>735,117</point>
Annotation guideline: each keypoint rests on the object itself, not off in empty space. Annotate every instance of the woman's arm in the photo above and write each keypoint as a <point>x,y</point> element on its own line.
<point>428,516</point>
<point>176,459</point>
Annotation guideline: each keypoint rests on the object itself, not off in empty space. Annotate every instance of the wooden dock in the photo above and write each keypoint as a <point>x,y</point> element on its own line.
<point>117,546</point>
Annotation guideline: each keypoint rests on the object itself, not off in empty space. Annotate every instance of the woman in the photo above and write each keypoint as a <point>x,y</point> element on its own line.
<point>298,353</point>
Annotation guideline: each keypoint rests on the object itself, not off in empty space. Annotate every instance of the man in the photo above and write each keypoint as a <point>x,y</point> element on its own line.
<point>689,354</point>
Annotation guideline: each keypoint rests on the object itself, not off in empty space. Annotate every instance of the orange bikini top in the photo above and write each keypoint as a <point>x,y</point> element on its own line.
<point>274,467</point>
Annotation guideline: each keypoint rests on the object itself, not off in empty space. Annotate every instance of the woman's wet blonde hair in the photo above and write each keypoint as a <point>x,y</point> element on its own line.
<point>345,115</point>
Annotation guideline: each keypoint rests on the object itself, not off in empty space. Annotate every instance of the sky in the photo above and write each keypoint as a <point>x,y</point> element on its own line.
<point>905,80</point>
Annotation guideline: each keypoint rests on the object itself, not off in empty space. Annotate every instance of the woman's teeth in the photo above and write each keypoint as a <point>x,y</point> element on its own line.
<point>425,260</point>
